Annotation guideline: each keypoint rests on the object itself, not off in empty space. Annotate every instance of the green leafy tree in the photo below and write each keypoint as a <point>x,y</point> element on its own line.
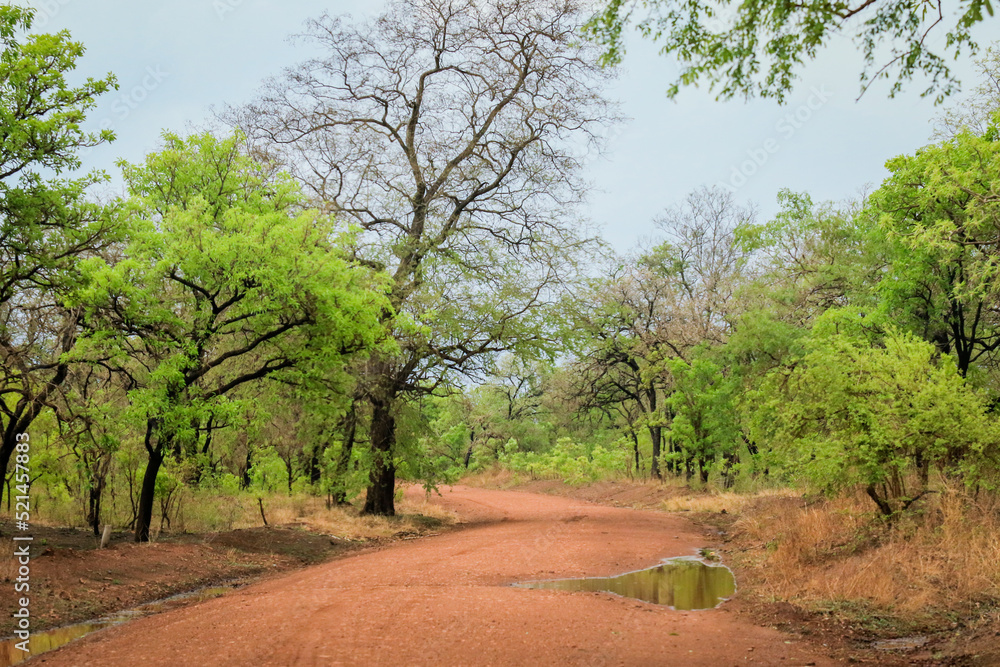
<point>225,279</point>
<point>659,307</point>
<point>939,213</point>
<point>756,48</point>
<point>45,223</point>
<point>810,258</point>
<point>633,327</point>
<point>870,406</point>
<point>705,426</point>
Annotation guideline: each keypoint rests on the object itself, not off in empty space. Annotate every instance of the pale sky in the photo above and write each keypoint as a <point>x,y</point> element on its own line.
<point>177,60</point>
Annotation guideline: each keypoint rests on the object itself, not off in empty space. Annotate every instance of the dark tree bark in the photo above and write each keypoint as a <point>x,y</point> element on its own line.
<point>635,448</point>
<point>245,479</point>
<point>208,465</point>
<point>346,451</point>
<point>656,436</point>
<point>380,499</point>
<point>290,469</point>
<point>882,503</point>
<point>94,506</point>
<point>19,418</point>
<point>468,452</point>
<point>147,495</point>
<point>5,454</point>
<point>728,475</point>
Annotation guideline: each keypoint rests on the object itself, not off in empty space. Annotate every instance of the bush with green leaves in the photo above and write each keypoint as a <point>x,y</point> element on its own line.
<point>704,428</point>
<point>570,461</point>
<point>876,408</point>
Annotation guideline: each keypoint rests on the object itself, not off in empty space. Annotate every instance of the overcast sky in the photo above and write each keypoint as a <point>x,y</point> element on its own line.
<point>177,60</point>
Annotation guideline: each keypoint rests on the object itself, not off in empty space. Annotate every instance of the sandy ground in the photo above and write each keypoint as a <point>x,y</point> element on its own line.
<point>446,600</point>
<point>72,581</point>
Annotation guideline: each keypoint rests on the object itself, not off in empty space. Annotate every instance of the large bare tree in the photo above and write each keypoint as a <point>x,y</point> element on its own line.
<point>453,133</point>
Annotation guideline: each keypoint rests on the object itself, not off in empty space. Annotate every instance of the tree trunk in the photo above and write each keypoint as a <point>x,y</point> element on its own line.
<point>468,452</point>
<point>882,503</point>
<point>206,467</point>
<point>315,474</point>
<point>26,409</point>
<point>94,508</point>
<point>382,479</point>
<point>655,434</point>
<point>923,468</point>
<point>728,474</point>
<point>245,481</point>
<point>147,495</point>
<point>5,453</point>
<point>344,461</point>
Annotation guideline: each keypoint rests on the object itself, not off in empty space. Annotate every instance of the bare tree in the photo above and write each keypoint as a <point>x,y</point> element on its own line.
<point>659,306</point>
<point>452,132</point>
<point>702,258</point>
<point>634,322</point>
<point>975,112</point>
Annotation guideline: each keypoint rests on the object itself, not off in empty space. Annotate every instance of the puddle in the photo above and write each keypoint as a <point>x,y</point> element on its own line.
<point>52,639</point>
<point>685,584</point>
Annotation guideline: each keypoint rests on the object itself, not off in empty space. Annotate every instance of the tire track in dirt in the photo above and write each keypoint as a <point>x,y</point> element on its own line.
<point>446,600</point>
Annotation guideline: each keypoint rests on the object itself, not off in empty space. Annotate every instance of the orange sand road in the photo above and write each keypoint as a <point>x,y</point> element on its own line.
<point>446,600</point>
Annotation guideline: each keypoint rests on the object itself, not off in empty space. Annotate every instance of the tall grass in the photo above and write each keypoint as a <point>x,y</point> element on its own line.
<point>943,559</point>
<point>196,510</point>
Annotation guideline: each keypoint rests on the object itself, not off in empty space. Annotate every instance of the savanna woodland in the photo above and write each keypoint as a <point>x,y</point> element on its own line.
<point>378,274</point>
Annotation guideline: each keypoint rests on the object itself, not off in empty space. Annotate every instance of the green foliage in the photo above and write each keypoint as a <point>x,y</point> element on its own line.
<point>572,462</point>
<point>268,473</point>
<point>939,213</point>
<point>756,48</point>
<point>873,408</point>
<point>46,224</point>
<point>705,424</point>
<point>225,279</point>
<point>229,329</point>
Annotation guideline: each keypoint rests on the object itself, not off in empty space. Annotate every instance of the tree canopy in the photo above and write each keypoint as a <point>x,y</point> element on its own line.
<point>47,223</point>
<point>755,49</point>
<point>224,279</point>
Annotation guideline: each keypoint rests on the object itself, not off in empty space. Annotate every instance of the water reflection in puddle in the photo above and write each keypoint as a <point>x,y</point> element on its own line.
<point>682,583</point>
<point>52,639</point>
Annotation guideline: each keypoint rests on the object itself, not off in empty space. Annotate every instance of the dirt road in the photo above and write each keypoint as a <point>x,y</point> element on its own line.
<point>446,600</point>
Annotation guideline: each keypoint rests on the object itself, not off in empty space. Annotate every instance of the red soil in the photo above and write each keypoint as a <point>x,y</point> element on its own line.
<point>446,600</point>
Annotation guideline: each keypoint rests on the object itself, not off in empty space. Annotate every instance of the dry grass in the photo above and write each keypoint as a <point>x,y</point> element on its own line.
<point>689,501</point>
<point>210,511</point>
<point>203,512</point>
<point>8,565</point>
<point>413,517</point>
<point>494,477</point>
<point>946,559</point>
